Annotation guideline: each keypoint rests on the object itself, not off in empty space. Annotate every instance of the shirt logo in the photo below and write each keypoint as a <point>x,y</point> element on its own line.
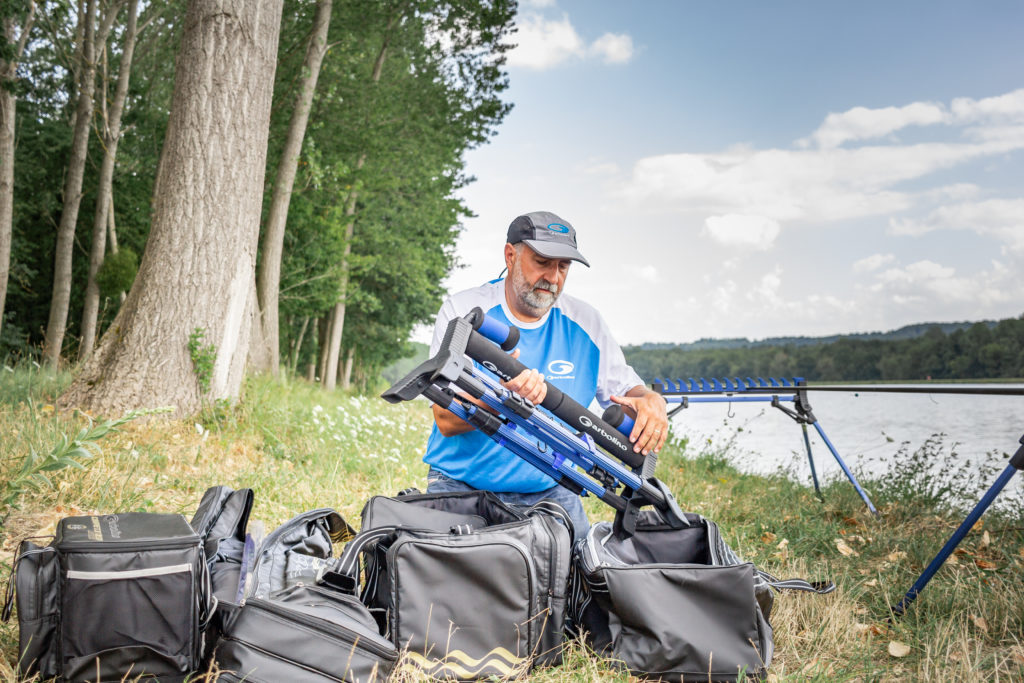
<point>560,367</point>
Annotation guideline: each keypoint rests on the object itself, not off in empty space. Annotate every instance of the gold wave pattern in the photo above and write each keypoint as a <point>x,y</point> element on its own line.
<point>462,665</point>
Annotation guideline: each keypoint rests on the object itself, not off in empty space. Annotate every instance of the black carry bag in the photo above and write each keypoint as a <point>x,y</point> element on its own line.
<point>221,521</point>
<point>674,603</point>
<point>288,628</point>
<point>467,586</point>
<point>113,596</point>
<point>303,633</point>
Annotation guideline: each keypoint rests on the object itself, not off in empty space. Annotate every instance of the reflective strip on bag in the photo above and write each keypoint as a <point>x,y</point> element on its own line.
<point>130,573</point>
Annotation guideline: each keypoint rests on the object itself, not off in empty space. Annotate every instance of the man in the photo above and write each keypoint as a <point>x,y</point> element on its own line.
<point>565,341</point>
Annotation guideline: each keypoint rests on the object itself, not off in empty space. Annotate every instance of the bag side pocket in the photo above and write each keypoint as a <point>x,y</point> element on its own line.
<point>35,580</point>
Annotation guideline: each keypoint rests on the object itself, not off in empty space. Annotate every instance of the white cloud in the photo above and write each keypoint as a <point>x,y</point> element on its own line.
<point>745,231</point>
<point>1002,219</point>
<point>934,286</point>
<point>861,123</point>
<point>613,48</point>
<point>873,262</point>
<point>537,3</point>
<point>544,43</point>
<point>648,274</point>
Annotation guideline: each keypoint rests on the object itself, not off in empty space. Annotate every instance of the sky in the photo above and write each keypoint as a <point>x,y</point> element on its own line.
<point>758,169</point>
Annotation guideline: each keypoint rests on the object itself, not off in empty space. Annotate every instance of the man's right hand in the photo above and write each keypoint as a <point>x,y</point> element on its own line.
<point>529,384</point>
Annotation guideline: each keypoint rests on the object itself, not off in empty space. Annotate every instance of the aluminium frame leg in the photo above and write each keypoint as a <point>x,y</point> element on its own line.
<point>846,470</point>
<point>1016,463</point>
<point>810,459</point>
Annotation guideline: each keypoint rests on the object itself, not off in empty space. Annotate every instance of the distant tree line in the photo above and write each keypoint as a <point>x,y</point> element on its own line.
<point>981,351</point>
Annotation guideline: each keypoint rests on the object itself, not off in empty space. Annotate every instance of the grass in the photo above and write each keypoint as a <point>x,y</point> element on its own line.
<point>300,448</point>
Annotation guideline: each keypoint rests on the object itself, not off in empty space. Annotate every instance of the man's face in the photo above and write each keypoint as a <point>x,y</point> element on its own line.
<point>536,281</point>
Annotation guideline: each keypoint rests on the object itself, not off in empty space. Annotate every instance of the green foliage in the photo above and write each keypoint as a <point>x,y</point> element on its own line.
<point>981,351</point>
<point>36,468</point>
<point>203,357</point>
<point>117,273</point>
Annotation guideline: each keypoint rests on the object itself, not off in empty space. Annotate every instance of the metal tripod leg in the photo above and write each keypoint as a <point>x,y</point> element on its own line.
<point>846,470</point>
<point>810,459</point>
<point>1016,463</point>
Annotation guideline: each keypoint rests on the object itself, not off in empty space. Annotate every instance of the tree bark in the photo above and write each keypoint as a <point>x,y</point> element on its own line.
<point>293,361</point>
<point>346,375</point>
<point>8,105</point>
<point>111,134</point>
<point>91,39</point>
<point>198,268</point>
<point>269,277</point>
<point>338,312</point>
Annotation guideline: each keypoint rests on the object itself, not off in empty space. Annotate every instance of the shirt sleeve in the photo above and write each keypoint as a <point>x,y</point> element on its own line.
<point>614,376</point>
<point>444,316</point>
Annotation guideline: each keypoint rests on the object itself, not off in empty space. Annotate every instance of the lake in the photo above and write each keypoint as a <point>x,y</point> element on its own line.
<point>868,430</point>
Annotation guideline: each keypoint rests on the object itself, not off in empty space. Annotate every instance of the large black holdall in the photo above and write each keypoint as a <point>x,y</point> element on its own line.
<point>113,596</point>
<point>468,586</point>
<point>308,634</point>
<point>674,603</point>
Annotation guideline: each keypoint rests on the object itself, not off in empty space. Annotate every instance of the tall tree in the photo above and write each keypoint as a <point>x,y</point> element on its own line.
<point>12,46</point>
<point>268,280</point>
<point>110,134</point>
<point>197,272</point>
<point>91,38</point>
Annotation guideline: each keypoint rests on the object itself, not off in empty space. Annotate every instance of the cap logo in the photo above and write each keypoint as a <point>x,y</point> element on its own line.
<point>558,227</point>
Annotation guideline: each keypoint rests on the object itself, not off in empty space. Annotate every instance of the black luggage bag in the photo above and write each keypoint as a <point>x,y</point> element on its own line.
<point>303,633</point>
<point>113,596</point>
<point>468,586</point>
<point>674,603</point>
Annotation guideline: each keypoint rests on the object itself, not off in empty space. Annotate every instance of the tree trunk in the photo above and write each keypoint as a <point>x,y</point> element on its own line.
<point>8,105</point>
<point>91,39</point>
<point>346,377</point>
<point>322,339</point>
<point>269,277</point>
<point>293,361</point>
<point>104,193</point>
<point>338,312</point>
<point>198,268</point>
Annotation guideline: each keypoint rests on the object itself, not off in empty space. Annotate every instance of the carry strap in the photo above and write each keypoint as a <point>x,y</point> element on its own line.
<point>819,587</point>
<point>9,590</point>
<point>552,508</point>
<point>343,573</point>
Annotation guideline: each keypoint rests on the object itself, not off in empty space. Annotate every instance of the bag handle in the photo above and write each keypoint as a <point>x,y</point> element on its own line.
<point>343,573</point>
<point>819,587</point>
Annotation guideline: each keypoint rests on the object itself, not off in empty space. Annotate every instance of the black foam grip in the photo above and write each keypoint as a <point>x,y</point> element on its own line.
<point>564,407</point>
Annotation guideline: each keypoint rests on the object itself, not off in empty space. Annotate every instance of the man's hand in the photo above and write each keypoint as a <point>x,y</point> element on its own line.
<point>529,384</point>
<point>650,428</point>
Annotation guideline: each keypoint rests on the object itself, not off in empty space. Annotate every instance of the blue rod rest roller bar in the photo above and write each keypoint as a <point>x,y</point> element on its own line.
<point>505,336</point>
<point>617,417</point>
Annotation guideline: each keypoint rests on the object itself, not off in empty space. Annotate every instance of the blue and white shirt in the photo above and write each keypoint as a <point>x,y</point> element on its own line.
<point>574,350</point>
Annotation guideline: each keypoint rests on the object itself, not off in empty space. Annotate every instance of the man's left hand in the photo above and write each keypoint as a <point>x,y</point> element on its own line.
<point>650,428</point>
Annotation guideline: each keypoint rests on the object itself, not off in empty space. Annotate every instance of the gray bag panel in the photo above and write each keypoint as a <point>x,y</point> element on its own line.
<point>303,633</point>
<point>691,621</point>
<point>383,511</point>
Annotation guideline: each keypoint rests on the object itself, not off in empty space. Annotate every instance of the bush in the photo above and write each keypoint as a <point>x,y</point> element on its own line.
<point>117,273</point>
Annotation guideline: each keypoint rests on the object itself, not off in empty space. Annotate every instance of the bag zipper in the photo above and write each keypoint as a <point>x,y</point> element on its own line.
<point>274,655</point>
<point>323,626</point>
<point>133,544</point>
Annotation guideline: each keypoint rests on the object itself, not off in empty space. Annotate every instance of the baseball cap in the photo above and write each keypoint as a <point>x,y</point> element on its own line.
<point>547,234</point>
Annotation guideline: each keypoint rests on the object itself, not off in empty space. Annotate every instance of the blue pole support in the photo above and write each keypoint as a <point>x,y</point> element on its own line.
<point>846,470</point>
<point>955,539</point>
<point>810,459</point>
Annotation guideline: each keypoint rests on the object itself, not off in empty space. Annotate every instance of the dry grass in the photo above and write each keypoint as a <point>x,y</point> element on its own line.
<point>299,448</point>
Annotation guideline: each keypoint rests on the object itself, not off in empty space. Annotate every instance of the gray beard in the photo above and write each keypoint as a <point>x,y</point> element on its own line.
<point>536,302</point>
